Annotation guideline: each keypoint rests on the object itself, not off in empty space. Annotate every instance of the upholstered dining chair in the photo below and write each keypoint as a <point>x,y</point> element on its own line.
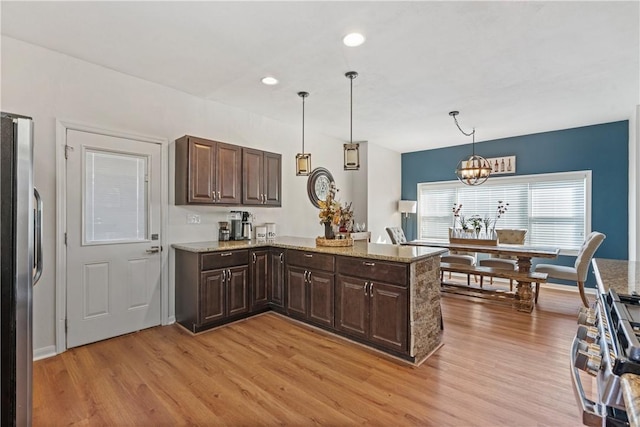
<point>506,262</point>
<point>457,257</point>
<point>396,235</point>
<point>580,269</point>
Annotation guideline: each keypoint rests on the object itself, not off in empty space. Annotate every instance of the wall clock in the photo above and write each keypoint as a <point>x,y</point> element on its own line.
<point>318,185</point>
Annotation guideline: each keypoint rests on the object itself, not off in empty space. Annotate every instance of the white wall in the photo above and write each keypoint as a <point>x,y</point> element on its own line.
<point>47,86</point>
<point>383,191</point>
<point>634,185</point>
<point>359,187</point>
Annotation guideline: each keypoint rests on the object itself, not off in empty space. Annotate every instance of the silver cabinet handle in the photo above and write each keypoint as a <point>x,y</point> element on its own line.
<point>228,275</point>
<point>227,254</point>
<point>309,275</point>
<point>281,257</point>
<point>39,233</point>
<point>369,264</point>
<point>308,255</point>
<point>218,196</point>
<point>365,288</point>
<point>254,257</point>
<point>224,276</point>
<point>370,289</point>
<point>153,250</point>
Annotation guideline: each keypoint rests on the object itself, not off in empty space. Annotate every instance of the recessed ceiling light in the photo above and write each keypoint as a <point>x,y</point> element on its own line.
<point>353,39</point>
<point>270,81</point>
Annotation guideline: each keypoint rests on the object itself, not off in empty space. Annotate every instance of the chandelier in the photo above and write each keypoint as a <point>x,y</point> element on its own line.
<point>476,169</point>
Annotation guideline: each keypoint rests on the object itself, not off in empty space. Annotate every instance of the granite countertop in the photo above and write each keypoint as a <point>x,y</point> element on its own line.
<point>360,249</point>
<point>630,384</point>
<point>620,275</point>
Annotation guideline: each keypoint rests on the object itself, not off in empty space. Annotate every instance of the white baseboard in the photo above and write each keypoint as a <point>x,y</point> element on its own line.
<point>44,352</point>
<point>567,288</point>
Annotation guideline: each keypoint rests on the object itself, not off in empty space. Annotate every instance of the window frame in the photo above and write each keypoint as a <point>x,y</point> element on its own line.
<point>586,175</point>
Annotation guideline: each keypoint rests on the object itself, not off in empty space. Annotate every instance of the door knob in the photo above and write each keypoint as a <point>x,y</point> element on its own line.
<point>153,249</point>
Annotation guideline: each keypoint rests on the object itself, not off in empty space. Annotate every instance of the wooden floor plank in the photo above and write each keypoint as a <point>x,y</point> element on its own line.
<point>497,367</point>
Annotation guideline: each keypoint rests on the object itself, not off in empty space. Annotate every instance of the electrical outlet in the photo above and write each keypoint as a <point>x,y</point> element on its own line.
<point>193,219</point>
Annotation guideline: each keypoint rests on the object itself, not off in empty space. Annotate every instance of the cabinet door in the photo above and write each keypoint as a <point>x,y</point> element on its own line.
<point>388,316</point>
<point>212,292</point>
<point>352,306</point>
<point>276,279</point>
<point>237,290</point>
<point>201,170</point>
<point>296,291</point>
<point>272,179</point>
<point>252,176</point>
<point>321,293</point>
<point>259,278</point>
<point>228,173</point>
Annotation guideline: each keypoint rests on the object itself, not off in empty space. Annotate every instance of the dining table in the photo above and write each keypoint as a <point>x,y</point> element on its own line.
<point>523,297</point>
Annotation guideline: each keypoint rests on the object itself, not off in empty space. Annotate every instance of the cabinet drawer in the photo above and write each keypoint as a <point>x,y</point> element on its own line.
<point>213,260</point>
<point>373,270</point>
<point>311,260</point>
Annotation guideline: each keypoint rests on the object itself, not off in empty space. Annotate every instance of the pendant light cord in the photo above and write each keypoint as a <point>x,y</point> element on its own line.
<point>351,75</point>
<point>472,134</point>
<point>303,125</point>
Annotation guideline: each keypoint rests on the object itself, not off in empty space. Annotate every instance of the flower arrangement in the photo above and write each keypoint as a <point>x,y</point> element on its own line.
<point>330,209</point>
<point>476,223</point>
<point>346,217</point>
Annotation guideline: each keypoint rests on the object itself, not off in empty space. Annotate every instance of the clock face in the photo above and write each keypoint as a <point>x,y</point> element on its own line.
<point>318,185</point>
<point>322,187</point>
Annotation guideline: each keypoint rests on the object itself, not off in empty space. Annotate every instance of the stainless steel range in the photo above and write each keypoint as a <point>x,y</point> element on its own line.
<point>607,346</point>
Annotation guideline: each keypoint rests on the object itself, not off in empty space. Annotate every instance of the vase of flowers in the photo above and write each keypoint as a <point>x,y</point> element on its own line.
<point>330,212</point>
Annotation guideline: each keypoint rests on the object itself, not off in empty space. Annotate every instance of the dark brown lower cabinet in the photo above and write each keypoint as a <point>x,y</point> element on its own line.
<point>275,289</point>
<point>373,311</point>
<point>259,278</point>
<point>310,295</point>
<point>372,301</point>
<point>211,288</point>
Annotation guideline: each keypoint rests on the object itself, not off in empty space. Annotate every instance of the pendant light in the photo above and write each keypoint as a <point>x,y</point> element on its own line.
<point>351,150</point>
<point>475,170</point>
<point>303,160</point>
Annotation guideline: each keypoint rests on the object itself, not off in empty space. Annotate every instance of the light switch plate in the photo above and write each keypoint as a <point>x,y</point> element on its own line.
<point>193,219</point>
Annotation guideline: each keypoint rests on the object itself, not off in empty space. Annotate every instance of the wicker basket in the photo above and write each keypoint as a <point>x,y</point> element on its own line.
<point>321,241</point>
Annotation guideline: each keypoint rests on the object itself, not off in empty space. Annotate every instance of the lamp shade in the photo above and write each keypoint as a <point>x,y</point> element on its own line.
<point>407,206</point>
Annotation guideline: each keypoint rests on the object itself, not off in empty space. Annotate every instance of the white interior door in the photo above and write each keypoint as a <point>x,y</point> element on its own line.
<point>113,236</point>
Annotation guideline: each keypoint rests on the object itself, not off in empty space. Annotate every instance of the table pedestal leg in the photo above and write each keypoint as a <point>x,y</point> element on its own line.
<point>524,294</point>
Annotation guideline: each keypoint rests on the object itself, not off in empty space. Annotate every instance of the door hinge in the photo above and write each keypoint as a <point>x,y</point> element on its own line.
<point>67,148</point>
<point>66,325</point>
<point>65,239</point>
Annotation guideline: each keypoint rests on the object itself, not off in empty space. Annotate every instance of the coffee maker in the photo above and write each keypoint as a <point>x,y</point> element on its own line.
<point>235,218</point>
<point>247,226</point>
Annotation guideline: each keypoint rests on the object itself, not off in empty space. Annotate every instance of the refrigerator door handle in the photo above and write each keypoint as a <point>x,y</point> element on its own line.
<point>39,233</point>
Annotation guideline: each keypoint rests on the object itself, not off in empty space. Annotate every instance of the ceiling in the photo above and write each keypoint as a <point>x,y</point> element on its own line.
<point>510,68</point>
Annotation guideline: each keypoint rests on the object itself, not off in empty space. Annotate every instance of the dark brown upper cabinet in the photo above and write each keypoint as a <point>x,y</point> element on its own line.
<point>261,178</point>
<point>207,172</point>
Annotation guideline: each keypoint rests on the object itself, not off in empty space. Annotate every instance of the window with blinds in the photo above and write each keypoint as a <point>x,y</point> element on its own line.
<point>554,208</point>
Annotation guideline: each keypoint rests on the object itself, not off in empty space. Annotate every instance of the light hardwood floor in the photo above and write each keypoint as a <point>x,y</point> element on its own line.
<point>497,367</point>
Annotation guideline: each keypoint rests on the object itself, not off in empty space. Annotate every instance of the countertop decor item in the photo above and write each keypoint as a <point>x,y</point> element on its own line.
<point>318,185</point>
<point>475,170</point>
<point>303,160</point>
<point>321,241</point>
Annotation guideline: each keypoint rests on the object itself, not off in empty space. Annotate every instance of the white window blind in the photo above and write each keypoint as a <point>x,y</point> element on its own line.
<point>554,208</point>
<point>115,197</point>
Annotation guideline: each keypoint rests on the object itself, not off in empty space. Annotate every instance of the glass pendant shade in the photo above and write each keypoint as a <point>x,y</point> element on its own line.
<point>351,156</point>
<point>303,164</point>
<point>303,160</point>
<point>473,171</point>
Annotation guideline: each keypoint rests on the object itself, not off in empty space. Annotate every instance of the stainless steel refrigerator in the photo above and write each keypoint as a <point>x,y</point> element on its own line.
<point>20,266</point>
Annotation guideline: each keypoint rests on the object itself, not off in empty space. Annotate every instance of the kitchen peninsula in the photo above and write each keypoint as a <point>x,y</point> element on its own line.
<point>384,296</point>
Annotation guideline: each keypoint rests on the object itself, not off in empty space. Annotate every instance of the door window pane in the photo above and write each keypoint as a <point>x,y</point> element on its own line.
<point>115,197</point>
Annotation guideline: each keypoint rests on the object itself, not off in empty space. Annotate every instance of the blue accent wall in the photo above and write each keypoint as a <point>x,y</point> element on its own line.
<point>602,148</point>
